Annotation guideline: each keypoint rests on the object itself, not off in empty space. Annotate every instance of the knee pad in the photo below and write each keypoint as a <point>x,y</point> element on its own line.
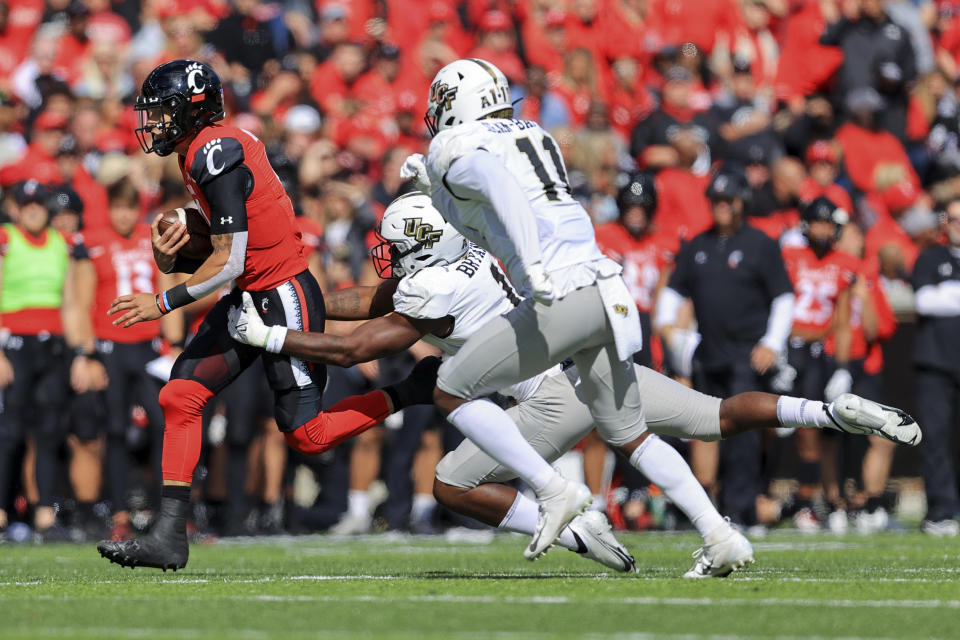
<point>183,397</point>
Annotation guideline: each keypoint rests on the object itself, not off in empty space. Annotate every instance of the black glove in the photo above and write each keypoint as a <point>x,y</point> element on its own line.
<point>417,388</point>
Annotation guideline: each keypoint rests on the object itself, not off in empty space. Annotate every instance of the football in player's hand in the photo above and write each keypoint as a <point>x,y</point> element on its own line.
<point>198,247</point>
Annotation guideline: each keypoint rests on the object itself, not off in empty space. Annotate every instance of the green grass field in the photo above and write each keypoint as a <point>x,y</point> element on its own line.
<point>888,586</point>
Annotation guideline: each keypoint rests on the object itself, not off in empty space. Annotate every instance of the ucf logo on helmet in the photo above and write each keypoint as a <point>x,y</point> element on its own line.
<point>420,232</point>
<point>442,95</point>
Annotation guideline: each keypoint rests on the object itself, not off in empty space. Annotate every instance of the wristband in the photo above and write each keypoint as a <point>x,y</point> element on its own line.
<point>160,306</point>
<point>176,297</point>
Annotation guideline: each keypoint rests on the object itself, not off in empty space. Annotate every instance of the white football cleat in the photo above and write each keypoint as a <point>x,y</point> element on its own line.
<point>596,541</point>
<point>556,512</point>
<point>721,558</point>
<point>351,525</point>
<point>853,414</point>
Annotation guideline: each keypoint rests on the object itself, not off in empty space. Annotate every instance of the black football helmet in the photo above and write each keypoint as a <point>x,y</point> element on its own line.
<point>177,99</point>
<point>728,184</point>
<point>822,209</point>
<point>640,191</point>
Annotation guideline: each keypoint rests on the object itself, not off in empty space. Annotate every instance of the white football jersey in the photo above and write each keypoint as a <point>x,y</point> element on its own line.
<point>473,290</point>
<point>532,156</point>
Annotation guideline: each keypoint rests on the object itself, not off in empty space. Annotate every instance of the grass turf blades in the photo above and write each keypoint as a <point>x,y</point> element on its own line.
<point>885,586</point>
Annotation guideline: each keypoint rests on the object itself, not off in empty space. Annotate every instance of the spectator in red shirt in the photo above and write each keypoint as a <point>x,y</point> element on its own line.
<point>579,85</point>
<point>333,81</point>
<point>547,44</point>
<point>696,21</point>
<point>684,210</point>
<point>823,167</point>
<point>39,162</point>
<point>630,100</point>
<point>805,66</point>
<point>376,88</point>
<point>498,45</point>
<point>866,147</point>
<point>74,45</point>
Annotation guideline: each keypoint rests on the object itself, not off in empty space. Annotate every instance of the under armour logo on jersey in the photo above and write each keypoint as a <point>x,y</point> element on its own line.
<point>193,71</point>
<point>946,269</point>
<point>208,150</point>
<point>700,257</point>
<point>227,220</point>
<point>421,232</point>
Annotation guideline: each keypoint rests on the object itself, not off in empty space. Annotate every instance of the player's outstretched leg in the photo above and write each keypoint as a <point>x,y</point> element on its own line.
<point>848,413</point>
<point>498,505</point>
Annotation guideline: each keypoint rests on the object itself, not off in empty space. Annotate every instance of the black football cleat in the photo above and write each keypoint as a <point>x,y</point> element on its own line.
<point>164,547</point>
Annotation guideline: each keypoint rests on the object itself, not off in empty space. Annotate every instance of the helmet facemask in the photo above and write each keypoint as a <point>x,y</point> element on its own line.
<point>158,130</point>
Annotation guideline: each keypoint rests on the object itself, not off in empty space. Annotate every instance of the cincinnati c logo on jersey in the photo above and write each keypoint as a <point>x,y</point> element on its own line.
<point>193,71</point>
<point>420,232</point>
<point>208,149</point>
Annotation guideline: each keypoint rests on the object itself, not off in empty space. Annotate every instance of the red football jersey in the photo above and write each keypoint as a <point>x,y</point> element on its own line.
<point>643,261</point>
<point>274,248</point>
<point>870,352</point>
<point>816,284</point>
<point>123,266</point>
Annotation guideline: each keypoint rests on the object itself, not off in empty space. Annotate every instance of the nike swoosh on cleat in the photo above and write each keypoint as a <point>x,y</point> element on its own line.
<point>581,547</point>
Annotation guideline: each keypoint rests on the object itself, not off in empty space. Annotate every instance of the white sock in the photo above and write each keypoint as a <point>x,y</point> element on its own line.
<point>599,503</point>
<point>358,504</point>
<point>490,428</point>
<point>423,506</point>
<point>800,412</point>
<point>667,469</point>
<point>522,518</point>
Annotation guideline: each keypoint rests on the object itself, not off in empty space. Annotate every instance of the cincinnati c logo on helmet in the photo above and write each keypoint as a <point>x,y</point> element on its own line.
<point>193,71</point>
<point>420,232</point>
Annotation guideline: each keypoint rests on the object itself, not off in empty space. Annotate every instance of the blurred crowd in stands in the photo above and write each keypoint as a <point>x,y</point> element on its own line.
<point>854,100</point>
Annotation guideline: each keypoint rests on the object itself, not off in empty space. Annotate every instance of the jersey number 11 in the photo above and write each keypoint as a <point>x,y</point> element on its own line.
<point>549,185</point>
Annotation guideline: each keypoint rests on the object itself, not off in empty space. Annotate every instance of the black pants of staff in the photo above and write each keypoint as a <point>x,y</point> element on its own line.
<point>938,394</point>
<point>740,456</point>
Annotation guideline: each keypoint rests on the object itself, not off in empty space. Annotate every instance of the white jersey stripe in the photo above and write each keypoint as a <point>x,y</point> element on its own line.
<point>294,320</point>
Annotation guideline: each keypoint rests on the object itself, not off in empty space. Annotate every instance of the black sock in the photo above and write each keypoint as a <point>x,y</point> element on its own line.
<point>176,492</point>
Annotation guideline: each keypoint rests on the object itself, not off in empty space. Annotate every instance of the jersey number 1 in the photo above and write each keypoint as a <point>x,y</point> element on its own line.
<point>549,186</point>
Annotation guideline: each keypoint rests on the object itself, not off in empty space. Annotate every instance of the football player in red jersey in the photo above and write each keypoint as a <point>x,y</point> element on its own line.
<point>256,244</point>
<point>631,241</point>
<point>115,261</point>
<point>821,278</point>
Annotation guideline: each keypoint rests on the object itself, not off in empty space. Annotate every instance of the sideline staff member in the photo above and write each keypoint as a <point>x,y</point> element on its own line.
<point>936,279</point>
<point>743,303</point>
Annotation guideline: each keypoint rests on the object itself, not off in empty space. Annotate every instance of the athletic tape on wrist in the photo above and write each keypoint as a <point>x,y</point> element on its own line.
<point>275,338</point>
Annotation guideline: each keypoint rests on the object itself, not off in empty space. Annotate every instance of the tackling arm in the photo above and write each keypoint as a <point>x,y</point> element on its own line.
<point>388,335</point>
<point>360,303</point>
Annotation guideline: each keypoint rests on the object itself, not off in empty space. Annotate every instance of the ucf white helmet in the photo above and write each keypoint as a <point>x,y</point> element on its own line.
<point>413,235</point>
<point>466,90</point>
